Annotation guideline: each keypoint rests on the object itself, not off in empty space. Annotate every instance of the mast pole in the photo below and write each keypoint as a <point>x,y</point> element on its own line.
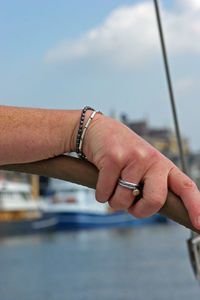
<point>170,89</point>
<point>194,241</point>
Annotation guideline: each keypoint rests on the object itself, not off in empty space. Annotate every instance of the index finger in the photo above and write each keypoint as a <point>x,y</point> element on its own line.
<point>186,189</point>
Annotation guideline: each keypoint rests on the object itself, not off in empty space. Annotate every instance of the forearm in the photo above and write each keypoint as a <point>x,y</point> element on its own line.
<point>28,134</point>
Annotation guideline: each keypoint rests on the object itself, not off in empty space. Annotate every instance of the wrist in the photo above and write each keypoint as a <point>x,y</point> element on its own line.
<point>89,143</point>
<point>85,121</point>
<point>75,132</point>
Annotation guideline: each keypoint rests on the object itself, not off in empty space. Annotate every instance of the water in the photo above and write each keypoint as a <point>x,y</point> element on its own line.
<point>142,263</point>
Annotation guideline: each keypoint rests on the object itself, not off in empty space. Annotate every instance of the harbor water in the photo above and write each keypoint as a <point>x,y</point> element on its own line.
<point>120,264</point>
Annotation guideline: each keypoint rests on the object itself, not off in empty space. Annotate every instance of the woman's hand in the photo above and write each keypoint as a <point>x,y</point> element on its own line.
<point>118,152</point>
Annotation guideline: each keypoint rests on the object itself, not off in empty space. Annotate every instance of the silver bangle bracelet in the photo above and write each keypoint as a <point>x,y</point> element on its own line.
<point>82,131</point>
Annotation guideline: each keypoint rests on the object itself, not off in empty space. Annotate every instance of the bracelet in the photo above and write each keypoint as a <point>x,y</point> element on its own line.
<point>81,130</point>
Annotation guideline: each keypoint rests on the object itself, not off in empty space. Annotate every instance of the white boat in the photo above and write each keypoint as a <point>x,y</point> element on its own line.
<point>75,206</point>
<point>16,197</point>
<point>19,212</point>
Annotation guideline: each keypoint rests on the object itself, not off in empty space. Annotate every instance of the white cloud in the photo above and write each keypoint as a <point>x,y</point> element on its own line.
<point>129,35</point>
<point>189,4</point>
<point>187,85</point>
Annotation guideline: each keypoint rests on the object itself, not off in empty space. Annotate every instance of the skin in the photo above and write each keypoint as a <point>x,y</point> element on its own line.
<point>118,152</point>
<point>29,135</point>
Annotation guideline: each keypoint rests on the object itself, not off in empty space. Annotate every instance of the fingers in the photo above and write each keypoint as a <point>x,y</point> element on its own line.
<point>119,198</point>
<point>108,177</point>
<point>123,197</point>
<point>186,189</point>
<point>121,153</point>
<point>154,192</point>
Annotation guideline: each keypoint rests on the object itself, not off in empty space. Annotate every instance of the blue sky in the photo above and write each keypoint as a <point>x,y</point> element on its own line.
<point>68,54</point>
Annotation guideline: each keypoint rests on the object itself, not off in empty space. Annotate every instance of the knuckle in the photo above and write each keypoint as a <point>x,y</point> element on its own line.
<point>140,155</point>
<point>119,203</point>
<point>115,158</point>
<point>188,184</point>
<point>144,155</point>
<point>138,212</point>
<point>147,207</point>
<point>122,204</point>
<point>154,155</point>
<point>156,202</point>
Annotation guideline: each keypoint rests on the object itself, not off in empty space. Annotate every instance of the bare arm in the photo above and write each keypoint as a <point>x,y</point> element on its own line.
<point>29,134</point>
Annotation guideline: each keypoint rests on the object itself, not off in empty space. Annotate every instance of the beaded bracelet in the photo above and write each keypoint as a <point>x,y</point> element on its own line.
<point>81,130</point>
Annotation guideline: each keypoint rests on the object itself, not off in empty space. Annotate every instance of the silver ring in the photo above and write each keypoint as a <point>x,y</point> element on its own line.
<point>128,185</point>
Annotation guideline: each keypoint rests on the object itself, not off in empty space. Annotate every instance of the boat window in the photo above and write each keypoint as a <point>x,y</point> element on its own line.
<point>14,194</point>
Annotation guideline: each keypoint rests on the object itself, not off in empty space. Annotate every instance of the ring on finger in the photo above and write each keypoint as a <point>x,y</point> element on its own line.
<point>130,185</point>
